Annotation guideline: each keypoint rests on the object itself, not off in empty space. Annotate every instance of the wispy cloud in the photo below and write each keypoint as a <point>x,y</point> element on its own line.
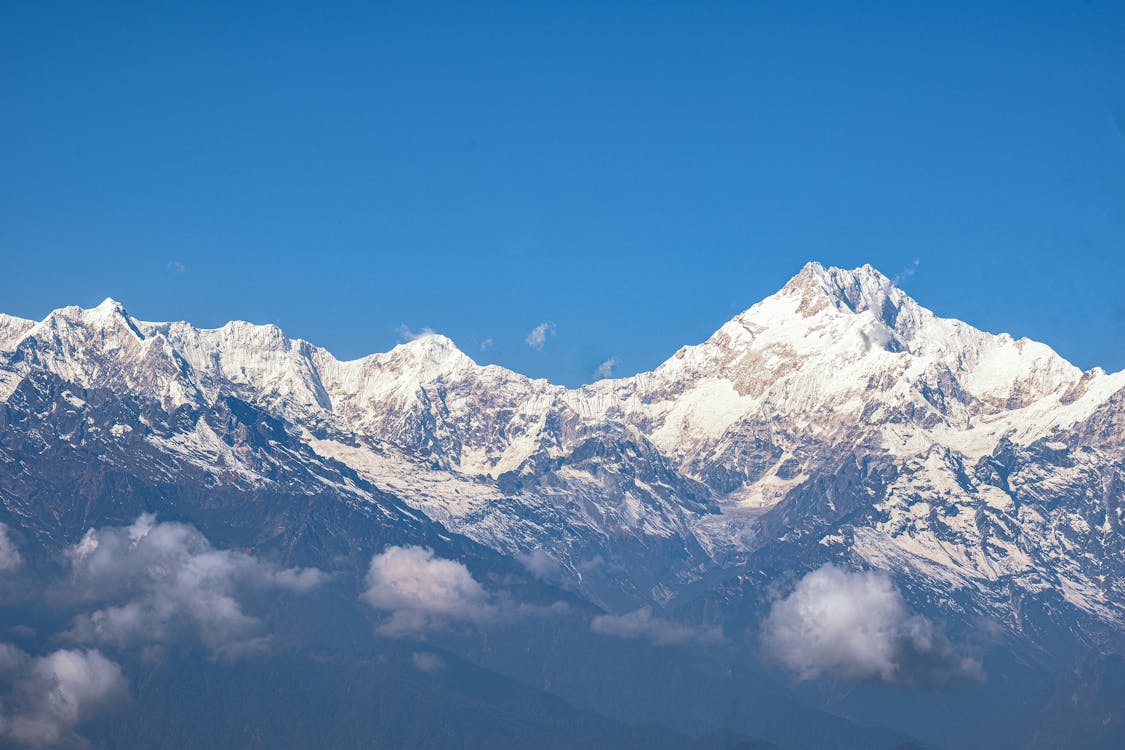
<point>540,564</point>
<point>426,662</point>
<point>605,369</point>
<point>856,625</point>
<point>643,624</point>
<point>176,266</point>
<point>406,333</point>
<point>539,334</point>
<point>487,344</point>
<point>906,272</point>
<point>10,558</point>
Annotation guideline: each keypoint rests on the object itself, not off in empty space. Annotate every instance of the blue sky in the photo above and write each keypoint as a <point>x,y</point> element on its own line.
<point>633,173</point>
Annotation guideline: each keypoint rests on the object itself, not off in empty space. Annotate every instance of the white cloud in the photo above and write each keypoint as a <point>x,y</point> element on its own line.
<point>176,266</point>
<point>426,662</point>
<point>605,369</point>
<point>540,564</point>
<point>487,345</point>
<point>876,336</point>
<point>45,698</point>
<point>906,273</point>
<point>10,558</point>
<point>405,333</point>
<point>642,623</point>
<point>159,583</point>
<point>538,336</point>
<point>856,625</point>
<point>424,592</point>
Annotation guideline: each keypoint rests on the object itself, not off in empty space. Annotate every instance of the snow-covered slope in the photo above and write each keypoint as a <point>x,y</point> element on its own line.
<point>842,359</point>
<point>666,474</point>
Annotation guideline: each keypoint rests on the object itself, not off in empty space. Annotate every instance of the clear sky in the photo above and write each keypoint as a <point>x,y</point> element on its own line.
<point>634,174</point>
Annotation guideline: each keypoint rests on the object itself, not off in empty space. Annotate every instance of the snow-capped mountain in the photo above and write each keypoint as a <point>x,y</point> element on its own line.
<point>837,416</point>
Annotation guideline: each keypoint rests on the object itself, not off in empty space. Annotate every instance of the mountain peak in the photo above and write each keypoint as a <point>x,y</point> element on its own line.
<point>856,290</point>
<point>110,306</point>
<point>109,318</point>
<point>431,352</point>
<point>108,309</point>
<point>12,328</point>
<point>430,342</point>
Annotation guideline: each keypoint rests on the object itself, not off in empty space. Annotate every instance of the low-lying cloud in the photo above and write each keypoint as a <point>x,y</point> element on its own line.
<point>424,592</point>
<point>161,583</point>
<point>856,626</point>
<point>10,558</point>
<point>540,564</point>
<point>43,699</point>
<point>643,624</point>
<point>426,662</point>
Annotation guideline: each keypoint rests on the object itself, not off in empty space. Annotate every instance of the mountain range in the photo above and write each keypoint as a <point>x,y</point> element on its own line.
<point>834,523</point>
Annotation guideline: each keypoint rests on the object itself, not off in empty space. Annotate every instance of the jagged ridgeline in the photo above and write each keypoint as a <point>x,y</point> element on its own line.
<point>632,560</point>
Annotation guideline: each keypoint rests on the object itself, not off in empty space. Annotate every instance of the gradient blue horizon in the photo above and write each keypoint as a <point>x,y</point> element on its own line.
<point>634,174</point>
